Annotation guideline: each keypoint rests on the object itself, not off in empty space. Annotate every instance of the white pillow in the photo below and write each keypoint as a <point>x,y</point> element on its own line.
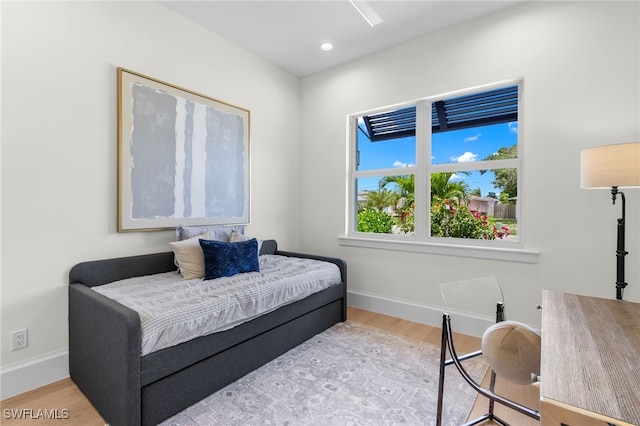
<point>189,256</point>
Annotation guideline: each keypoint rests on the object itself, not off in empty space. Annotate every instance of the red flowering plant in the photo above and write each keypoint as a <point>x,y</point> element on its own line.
<point>501,231</point>
<point>451,220</point>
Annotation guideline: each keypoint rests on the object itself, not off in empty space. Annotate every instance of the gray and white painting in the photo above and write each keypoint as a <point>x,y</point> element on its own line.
<point>187,158</point>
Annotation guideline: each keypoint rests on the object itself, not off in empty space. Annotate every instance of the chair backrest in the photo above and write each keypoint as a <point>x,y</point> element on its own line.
<point>471,303</point>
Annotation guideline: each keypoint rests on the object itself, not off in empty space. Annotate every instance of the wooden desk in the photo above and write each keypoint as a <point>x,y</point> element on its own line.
<point>590,372</point>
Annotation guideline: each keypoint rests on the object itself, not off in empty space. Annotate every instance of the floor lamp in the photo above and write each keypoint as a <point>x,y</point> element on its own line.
<point>613,167</point>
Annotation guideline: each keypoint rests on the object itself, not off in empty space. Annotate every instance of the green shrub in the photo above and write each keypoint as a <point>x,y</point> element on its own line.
<point>375,221</point>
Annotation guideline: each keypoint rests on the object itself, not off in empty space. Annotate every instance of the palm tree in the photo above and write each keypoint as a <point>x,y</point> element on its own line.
<point>405,186</point>
<point>405,193</point>
<point>379,199</point>
<point>443,189</point>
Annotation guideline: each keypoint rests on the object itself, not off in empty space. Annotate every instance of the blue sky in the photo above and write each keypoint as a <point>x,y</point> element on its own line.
<point>465,145</point>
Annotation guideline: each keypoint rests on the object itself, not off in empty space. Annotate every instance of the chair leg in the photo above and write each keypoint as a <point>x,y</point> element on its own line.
<point>443,357</point>
<point>492,386</point>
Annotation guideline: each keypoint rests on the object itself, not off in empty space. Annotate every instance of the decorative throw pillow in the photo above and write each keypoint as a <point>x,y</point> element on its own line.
<point>223,259</point>
<point>236,237</point>
<point>189,257</point>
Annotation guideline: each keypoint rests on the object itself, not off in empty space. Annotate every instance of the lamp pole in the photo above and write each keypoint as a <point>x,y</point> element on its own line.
<point>620,251</point>
<point>613,166</point>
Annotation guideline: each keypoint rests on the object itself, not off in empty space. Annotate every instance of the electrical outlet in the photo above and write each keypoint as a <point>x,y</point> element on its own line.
<point>19,339</point>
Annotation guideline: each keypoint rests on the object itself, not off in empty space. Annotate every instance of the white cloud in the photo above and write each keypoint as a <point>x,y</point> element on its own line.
<point>513,127</point>
<point>399,163</point>
<point>472,138</point>
<point>456,177</point>
<point>467,157</point>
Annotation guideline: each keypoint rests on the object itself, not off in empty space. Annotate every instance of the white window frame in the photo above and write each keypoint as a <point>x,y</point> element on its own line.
<point>421,241</point>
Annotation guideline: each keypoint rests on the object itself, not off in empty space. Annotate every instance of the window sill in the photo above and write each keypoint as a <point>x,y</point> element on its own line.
<point>478,252</point>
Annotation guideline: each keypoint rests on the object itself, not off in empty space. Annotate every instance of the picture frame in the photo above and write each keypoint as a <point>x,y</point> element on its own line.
<point>183,157</point>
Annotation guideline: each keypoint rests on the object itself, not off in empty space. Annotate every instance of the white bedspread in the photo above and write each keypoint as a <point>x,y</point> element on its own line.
<point>173,310</point>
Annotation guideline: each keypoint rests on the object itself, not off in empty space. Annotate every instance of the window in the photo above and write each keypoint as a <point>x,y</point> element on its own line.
<point>443,170</point>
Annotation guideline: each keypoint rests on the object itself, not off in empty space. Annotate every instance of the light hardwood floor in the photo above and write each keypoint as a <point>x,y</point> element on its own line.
<point>64,400</point>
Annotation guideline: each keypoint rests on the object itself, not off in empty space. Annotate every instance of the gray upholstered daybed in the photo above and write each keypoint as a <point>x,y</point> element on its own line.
<point>129,388</point>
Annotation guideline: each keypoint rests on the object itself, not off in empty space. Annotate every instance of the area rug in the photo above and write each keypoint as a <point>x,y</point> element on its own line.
<point>350,374</point>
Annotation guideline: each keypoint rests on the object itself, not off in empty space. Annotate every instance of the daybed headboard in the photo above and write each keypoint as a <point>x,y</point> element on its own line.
<point>269,247</point>
<point>98,272</point>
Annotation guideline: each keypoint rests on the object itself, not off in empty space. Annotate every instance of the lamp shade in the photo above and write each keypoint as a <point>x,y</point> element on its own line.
<point>610,165</point>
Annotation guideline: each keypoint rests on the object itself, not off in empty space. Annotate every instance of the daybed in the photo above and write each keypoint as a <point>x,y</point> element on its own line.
<point>128,388</point>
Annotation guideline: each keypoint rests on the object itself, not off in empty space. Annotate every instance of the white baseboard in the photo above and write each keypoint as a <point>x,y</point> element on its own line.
<point>33,373</point>
<point>416,312</point>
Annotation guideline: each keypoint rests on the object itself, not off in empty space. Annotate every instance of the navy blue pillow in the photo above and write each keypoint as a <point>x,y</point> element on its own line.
<point>227,259</point>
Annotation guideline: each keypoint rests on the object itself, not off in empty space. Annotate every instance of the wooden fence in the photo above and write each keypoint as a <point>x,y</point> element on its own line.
<point>504,211</point>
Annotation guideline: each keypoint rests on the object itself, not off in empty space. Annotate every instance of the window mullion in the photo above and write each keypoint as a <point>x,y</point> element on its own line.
<point>423,144</point>
<point>509,163</point>
<point>397,171</point>
<point>352,195</point>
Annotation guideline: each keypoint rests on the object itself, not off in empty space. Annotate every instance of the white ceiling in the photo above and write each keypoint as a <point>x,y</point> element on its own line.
<point>289,33</point>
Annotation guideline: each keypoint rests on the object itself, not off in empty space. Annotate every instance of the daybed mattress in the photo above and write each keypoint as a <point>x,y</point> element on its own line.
<point>173,310</point>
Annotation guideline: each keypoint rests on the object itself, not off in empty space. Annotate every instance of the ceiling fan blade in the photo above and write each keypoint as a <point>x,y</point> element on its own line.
<point>367,12</point>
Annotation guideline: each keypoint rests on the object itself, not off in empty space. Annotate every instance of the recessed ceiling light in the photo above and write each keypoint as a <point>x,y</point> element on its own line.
<point>326,46</point>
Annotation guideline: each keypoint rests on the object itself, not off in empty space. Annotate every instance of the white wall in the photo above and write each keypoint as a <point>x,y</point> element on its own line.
<point>59,143</point>
<point>580,64</point>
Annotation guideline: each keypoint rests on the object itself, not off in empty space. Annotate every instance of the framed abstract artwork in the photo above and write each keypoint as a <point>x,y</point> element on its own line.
<point>183,158</point>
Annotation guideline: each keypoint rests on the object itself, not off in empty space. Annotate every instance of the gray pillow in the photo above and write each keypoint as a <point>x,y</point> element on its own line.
<point>216,232</point>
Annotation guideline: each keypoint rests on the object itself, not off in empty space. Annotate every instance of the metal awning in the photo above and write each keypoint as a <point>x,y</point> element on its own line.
<point>475,110</point>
